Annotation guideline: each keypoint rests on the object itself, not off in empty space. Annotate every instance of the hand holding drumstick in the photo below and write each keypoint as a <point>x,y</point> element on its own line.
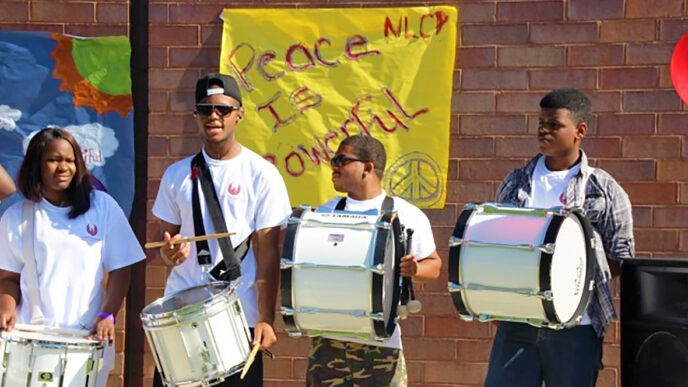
<point>174,251</point>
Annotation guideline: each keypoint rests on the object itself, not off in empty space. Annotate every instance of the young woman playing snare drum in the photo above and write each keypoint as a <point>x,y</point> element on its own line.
<point>79,235</point>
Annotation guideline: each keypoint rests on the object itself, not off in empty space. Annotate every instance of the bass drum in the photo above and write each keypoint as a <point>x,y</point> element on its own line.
<point>340,273</point>
<point>525,265</point>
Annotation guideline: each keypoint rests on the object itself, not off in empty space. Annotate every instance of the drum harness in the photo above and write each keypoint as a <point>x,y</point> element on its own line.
<point>407,293</point>
<point>229,268</point>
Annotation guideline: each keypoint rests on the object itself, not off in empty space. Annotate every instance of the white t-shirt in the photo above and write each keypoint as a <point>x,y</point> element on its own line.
<point>549,190</point>
<point>252,196</point>
<point>422,243</point>
<point>72,255</point>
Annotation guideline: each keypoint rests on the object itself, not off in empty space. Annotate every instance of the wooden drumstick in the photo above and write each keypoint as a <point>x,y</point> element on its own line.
<point>152,245</point>
<point>249,360</point>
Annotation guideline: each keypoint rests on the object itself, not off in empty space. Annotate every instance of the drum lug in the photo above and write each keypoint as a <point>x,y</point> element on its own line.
<point>466,317</point>
<point>286,263</point>
<point>454,287</point>
<point>485,317</point>
<point>454,241</point>
<point>378,269</point>
<point>286,311</point>
<point>377,316</point>
<point>384,225</point>
<point>545,295</point>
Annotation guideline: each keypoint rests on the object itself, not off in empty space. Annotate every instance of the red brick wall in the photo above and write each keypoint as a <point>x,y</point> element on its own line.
<point>84,18</point>
<point>510,53</point>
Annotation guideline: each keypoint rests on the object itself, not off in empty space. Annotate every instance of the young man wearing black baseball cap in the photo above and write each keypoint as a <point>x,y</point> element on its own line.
<point>254,202</point>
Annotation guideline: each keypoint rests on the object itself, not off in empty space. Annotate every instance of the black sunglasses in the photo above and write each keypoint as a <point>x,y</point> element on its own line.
<point>206,109</point>
<point>338,161</point>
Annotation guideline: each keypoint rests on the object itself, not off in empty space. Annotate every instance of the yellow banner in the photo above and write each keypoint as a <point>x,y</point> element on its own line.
<point>312,77</point>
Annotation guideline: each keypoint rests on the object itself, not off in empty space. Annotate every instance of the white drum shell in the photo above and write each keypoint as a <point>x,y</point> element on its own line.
<point>200,344</point>
<point>70,361</point>
<point>332,256</point>
<point>501,282</point>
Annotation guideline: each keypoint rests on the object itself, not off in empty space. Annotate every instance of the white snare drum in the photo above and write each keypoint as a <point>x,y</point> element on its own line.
<point>521,264</point>
<point>38,356</point>
<point>199,336</point>
<point>340,273</point>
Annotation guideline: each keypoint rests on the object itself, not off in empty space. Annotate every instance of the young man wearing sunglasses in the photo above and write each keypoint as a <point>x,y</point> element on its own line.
<point>357,169</point>
<point>253,200</point>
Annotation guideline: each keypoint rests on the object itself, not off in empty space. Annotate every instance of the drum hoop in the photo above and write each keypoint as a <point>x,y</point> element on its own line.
<point>54,335</point>
<point>545,275</point>
<point>396,291</point>
<point>591,265</point>
<point>384,329</point>
<point>187,309</point>
<point>286,274</point>
<point>455,259</point>
<point>210,378</point>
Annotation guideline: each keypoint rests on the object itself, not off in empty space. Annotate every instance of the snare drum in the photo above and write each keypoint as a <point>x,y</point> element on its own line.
<point>525,265</point>
<point>39,356</point>
<point>199,336</point>
<point>340,273</point>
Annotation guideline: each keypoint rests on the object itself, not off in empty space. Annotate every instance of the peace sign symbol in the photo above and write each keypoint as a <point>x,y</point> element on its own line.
<point>416,178</point>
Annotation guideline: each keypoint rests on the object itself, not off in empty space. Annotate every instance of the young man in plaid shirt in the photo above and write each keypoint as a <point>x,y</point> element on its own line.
<point>523,355</point>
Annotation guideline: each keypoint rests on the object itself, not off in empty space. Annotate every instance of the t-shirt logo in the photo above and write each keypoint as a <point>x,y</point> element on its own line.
<point>92,229</point>
<point>562,198</point>
<point>233,190</point>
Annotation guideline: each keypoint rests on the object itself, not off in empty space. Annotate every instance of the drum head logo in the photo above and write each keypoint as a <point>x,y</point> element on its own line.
<point>414,177</point>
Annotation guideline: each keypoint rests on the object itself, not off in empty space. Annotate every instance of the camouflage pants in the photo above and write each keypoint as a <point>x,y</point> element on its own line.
<point>334,363</point>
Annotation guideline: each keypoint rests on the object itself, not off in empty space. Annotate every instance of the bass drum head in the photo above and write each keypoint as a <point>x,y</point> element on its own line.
<point>391,281</point>
<point>569,271</point>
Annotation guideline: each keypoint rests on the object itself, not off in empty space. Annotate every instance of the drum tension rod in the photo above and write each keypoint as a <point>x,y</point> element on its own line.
<point>547,248</point>
<point>288,264</point>
<point>543,294</point>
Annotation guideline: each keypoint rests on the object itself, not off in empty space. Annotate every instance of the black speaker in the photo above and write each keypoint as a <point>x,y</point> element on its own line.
<point>654,323</point>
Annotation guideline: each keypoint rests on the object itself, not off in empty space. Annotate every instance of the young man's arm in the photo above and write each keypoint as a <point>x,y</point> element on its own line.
<point>617,235</point>
<point>266,249</point>
<point>425,269</point>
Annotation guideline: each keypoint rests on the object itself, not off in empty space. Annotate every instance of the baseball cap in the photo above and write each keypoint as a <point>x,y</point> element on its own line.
<point>225,85</point>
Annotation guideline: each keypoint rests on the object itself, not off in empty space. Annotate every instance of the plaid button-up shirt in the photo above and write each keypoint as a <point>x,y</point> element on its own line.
<point>607,207</point>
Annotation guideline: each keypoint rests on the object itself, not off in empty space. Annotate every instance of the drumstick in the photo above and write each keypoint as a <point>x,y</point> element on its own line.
<point>249,361</point>
<point>152,245</point>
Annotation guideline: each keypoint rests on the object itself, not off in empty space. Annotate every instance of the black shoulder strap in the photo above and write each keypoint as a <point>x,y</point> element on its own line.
<point>200,174</point>
<point>387,204</point>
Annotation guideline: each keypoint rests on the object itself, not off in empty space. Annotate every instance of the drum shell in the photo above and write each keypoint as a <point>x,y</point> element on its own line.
<point>201,342</point>
<point>511,284</point>
<point>330,276</point>
<point>43,354</point>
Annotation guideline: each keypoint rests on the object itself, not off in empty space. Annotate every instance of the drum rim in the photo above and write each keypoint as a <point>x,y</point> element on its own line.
<point>201,305</point>
<point>14,336</point>
<point>384,329</point>
<point>286,288</point>
<point>455,260</point>
<point>211,377</point>
<point>591,264</point>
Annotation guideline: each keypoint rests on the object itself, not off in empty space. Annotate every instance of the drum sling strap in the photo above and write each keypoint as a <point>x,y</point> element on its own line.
<point>27,229</point>
<point>230,267</point>
<point>406,286</point>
